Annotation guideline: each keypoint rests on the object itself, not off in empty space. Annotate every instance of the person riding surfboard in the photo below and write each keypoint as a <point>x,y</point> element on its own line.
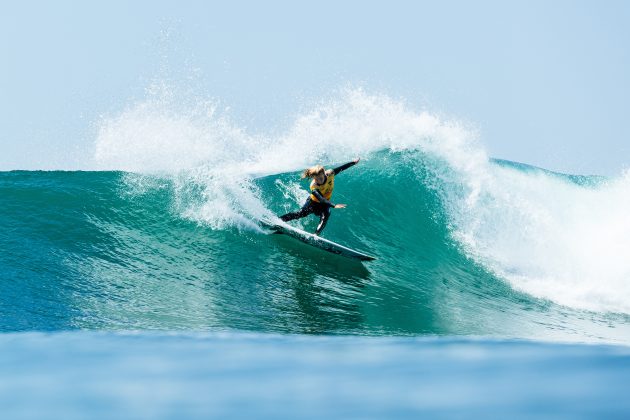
<point>318,203</point>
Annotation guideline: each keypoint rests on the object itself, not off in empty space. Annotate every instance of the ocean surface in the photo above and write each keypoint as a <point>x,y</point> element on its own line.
<point>145,288</point>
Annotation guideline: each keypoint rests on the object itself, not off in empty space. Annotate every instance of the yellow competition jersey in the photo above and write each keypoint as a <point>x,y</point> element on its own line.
<point>326,188</point>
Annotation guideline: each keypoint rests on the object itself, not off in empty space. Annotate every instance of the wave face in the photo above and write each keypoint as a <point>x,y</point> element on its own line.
<point>164,235</point>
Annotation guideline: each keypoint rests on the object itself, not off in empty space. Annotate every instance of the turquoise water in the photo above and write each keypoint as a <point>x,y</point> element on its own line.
<point>93,250</point>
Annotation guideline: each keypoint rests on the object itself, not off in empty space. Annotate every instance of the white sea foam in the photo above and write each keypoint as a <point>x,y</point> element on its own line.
<point>550,237</point>
<point>197,144</point>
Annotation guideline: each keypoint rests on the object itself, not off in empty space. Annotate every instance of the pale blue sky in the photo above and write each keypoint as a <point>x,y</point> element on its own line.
<point>546,82</point>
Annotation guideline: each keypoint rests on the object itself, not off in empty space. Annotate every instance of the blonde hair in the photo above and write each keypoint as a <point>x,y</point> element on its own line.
<point>313,171</point>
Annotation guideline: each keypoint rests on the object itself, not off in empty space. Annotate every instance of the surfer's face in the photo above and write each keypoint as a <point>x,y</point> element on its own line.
<point>320,178</point>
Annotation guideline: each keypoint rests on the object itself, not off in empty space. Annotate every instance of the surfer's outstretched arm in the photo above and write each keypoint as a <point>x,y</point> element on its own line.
<point>345,166</point>
<point>321,198</point>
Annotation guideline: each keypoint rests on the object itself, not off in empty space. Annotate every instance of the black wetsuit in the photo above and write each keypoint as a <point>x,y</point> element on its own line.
<point>321,209</point>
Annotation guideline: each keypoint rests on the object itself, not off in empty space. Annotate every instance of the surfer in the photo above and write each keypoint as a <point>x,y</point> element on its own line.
<point>322,185</point>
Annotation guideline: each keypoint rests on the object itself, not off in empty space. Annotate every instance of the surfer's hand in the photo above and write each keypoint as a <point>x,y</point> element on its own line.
<point>340,206</point>
<point>356,160</point>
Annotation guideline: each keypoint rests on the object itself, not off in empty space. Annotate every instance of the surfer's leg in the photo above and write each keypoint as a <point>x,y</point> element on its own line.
<point>324,214</point>
<point>306,209</point>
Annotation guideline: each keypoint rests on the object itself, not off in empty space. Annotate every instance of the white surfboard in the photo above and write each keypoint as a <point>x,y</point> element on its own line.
<point>314,240</point>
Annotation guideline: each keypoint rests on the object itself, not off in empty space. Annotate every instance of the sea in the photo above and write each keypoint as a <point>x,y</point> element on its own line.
<point>145,287</point>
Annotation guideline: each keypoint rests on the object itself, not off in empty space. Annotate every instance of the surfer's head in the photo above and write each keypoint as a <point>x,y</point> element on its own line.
<point>317,172</point>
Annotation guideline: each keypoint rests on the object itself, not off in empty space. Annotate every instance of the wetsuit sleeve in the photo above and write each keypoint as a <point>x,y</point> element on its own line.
<point>343,167</point>
<point>321,198</point>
